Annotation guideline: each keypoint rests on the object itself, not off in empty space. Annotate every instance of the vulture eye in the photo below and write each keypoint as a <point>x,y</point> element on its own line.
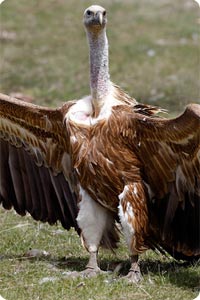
<point>104,13</point>
<point>89,12</point>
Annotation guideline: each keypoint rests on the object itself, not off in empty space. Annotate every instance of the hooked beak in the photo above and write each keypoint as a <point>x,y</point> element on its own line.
<point>100,18</point>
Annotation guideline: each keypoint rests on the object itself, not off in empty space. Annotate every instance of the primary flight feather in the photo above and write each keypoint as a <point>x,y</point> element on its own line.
<point>105,159</point>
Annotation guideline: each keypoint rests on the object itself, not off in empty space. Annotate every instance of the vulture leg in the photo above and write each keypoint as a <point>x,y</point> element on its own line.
<point>134,221</point>
<point>92,268</point>
<point>134,275</point>
<point>92,220</point>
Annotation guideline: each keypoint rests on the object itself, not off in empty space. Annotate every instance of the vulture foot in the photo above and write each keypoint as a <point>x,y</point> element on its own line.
<point>87,273</point>
<point>91,272</point>
<point>134,276</point>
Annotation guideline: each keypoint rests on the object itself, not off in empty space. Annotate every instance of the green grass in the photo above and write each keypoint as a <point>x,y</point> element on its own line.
<point>48,56</point>
<point>23,278</point>
<point>44,54</point>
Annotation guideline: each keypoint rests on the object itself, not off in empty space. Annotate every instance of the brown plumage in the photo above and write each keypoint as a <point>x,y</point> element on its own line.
<point>101,160</point>
<point>45,159</point>
<point>32,145</point>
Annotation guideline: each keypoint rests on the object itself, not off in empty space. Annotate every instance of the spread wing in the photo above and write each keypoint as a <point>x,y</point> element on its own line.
<point>35,166</point>
<point>170,154</point>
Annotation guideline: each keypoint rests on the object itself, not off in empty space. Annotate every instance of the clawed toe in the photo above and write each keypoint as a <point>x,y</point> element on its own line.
<point>91,272</point>
<point>134,276</point>
<point>87,273</point>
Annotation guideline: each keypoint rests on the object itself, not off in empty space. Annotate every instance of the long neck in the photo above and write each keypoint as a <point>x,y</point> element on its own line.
<point>99,68</point>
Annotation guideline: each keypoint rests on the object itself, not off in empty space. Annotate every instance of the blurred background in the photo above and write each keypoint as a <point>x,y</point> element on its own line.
<point>154,50</point>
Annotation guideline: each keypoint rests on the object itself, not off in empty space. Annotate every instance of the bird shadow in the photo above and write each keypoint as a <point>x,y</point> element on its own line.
<point>181,274</point>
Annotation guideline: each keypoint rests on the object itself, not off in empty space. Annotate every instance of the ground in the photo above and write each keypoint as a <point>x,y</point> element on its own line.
<point>55,253</point>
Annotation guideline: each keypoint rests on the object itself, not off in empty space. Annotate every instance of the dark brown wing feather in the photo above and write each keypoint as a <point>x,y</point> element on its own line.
<point>33,148</point>
<point>170,154</point>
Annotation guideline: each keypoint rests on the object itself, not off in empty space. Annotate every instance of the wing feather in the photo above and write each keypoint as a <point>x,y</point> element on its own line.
<point>34,144</point>
<point>14,166</point>
<point>169,151</point>
<point>6,185</point>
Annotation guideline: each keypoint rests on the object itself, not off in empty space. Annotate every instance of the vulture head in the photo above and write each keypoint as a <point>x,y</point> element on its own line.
<point>94,18</point>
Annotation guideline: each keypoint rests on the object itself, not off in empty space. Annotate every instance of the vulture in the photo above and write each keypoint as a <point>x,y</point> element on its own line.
<point>105,164</point>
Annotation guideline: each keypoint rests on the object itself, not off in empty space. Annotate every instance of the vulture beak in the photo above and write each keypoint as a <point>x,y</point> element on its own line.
<point>99,17</point>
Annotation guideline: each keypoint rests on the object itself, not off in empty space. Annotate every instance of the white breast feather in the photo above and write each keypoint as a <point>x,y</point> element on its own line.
<point>81,112</point>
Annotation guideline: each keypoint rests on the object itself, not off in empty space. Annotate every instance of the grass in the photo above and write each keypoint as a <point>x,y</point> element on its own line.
<point>154,50</point>
<point>44,277</point>
<point>154,54</point>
